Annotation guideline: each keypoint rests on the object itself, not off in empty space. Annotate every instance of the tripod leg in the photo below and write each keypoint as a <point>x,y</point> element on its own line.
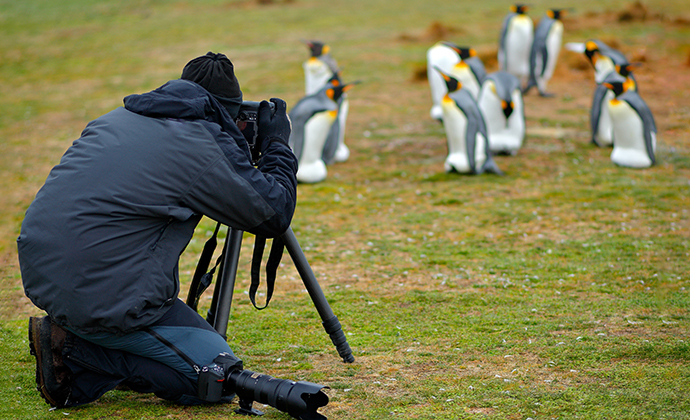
<point>330,321</point>
<point>219,313</point>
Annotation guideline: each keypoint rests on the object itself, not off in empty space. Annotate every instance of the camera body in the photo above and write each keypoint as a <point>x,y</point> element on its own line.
<point>248,123</point>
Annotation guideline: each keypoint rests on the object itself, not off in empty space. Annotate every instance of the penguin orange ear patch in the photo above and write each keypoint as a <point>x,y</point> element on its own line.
<point>330,93</point>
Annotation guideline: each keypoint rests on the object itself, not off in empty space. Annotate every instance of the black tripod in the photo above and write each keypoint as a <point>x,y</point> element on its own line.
<point>219,312</point>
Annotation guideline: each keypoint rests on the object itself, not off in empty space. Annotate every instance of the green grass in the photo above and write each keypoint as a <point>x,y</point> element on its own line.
<point>556,291</point>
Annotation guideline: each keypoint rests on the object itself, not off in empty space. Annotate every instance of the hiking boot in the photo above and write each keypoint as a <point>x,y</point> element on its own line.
<point>53,377</point>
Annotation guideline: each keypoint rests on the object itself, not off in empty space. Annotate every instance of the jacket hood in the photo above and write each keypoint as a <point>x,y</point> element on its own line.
<point>181,99</point>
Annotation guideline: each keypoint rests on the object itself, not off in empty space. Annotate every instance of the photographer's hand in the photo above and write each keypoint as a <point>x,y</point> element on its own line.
<point>273,125</point>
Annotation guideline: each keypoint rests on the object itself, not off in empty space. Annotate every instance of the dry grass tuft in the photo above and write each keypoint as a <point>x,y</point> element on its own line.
<point>635,12</point>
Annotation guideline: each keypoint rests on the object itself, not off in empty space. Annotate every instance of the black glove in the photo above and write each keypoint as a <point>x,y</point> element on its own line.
<point>273,125</point>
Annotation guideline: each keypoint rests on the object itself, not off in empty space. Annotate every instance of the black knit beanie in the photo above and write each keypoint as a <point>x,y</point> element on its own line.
<point>216,74</point>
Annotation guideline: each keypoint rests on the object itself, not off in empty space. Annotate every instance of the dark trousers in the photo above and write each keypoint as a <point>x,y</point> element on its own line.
<point>163,359</point>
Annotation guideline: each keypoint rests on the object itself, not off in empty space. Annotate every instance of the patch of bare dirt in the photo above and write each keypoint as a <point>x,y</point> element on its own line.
<point>436,31</point>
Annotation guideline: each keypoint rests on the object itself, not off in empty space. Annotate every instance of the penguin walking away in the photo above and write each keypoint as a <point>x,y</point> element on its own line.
<point>500,101</point>
<point>312,118</point>
<point>515,44</point>
<point>468,146</point>
<point>634,130</point>
<point>319,68</point>
<point>461,62</point>
<point>599,119</point>
<point>548,37</point>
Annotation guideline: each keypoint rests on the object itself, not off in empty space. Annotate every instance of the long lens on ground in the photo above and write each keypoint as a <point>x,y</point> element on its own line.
<point>299,399</point>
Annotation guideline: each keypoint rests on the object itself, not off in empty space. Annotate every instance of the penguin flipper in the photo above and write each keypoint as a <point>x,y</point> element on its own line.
<point>331,145</point>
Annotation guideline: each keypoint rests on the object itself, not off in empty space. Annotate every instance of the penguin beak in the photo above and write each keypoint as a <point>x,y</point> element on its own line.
<point>473,52</point>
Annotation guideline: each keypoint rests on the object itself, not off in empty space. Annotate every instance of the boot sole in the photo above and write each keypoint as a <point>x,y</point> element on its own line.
<point>37,349</point>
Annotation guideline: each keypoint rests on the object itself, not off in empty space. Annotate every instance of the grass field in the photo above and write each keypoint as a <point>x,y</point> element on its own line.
<point>557,291</point>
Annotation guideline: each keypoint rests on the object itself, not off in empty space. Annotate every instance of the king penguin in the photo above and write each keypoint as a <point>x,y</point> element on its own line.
<point>468,145</point>
<point>335,149</point>
<point>515,44</point>
<point>500,101</point>
<point>462,62</point>
<point>634,130</point>
<point>319,68</point>
<point>312,118</point>
<point>600,121</point>
<point>548,38</point>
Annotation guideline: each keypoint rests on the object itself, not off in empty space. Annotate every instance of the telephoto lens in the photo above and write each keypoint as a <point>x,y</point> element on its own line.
<point>299,399</point>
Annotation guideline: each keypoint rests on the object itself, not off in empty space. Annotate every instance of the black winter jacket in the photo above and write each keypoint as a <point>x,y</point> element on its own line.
<point>100,244</point>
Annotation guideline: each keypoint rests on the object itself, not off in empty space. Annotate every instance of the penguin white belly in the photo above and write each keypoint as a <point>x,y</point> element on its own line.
<point>605,129</point>
<point>316,75</point>
<point>515,127</point>
<point>311,167</point>
<point>602,68</point>
<point>342,153</point>
<point>553,46</point>
<point>629,146</point>
<point>505,136</point>
<point>455,125</point>
<point>518,46</point>
<point>444,58</point>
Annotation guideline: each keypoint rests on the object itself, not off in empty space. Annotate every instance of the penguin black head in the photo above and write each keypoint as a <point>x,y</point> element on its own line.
<point>556,13</point>
<point>625,69</point>
<point>452,83</point>
<point>463,52</point>
<point>336,91</point>
<point>520,9</point>
<point>591,50</point>
<point>335,79</point>
<point>618,87</point>
<point>317,48</point>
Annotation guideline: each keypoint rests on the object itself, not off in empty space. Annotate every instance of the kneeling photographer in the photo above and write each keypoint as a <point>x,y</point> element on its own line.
<point>100,244</point>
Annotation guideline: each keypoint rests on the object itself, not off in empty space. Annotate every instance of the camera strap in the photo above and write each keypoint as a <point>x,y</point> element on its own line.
<point>271,267</point>
<point>202,277</point>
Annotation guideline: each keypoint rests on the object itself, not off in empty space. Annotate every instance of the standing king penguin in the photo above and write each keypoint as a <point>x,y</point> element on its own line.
<point>634,130</point>
<point>500,101</point>
<point>515,43</point>
<point>468,145</point>
<point>548,38</point>
<point>312,118</point>
<point>319,68</point>
<point>599,118</point>
<point>461,62</point>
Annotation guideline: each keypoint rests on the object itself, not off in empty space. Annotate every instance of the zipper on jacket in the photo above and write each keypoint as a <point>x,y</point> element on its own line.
<point>162,232</point>
<point>177,351</point>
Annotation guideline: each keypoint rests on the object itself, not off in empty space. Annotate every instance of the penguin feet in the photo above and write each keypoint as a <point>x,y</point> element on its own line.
<point>436,113</point>
<point>546,94</point>
<point>342,153</point>
<point>312,172</point>
<point>458,162</point>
